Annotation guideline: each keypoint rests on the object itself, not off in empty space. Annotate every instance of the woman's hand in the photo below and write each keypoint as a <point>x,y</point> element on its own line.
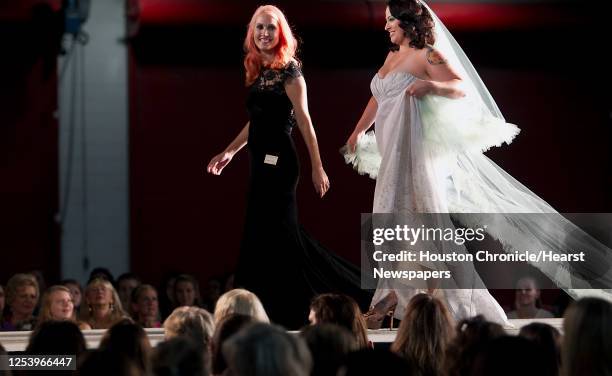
<point>320,181</point>
<point>352,141</point>
<point>218,162</point>
<point>420,88</point>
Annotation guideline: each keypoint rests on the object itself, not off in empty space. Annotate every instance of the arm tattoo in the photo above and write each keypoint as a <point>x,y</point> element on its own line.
<point>434,57</point>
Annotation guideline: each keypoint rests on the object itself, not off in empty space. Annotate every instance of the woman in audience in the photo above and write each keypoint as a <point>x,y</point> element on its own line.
<point>129,339</point>
<point>195,324</point>
<point>75,290</point>
<point>228,326</point>
<point>145,306</point>
<point>424,334</point>
<point>102,307</point>
<point>126,283</point>
<point>240,301</point>
<point>329,346</point>
<point>549,340</point>
<point>57,338</point>
<point>264,349</point>
<point>21,299</point>
<point>527,304</point>
<point>179,356</point>
<point>587,341</point>
<point>471,336</point>
<point>57,305</point>
<point>341,310</point>
<point>187,291</point>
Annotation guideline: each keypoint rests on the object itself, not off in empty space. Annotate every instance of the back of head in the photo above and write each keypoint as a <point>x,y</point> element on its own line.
<point>548,339</point>
<point>105,363</point>
<point>471,335</point>
<point>587,344</point>
<point>424,333</point>
<point>329,345</point>
<point>368,362</point>
<point>267,350</point>
<point>179,356</point>
<point>240,301</point>
<point>57,337</point>
<point>510,356</point>
<point>193,322</point>
<point>341,310</point>
<point>130,339</point>
<point>4,366</point>
<point>228,326</point>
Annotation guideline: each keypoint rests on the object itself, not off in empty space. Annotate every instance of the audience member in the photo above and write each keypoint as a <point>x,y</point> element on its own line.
<point>57,338</point>
<point>527,304</point>
<point>226,328</point>
<point>101,273</point>
<point>102,307</point>
<point>167,301</point>
<point>329,345</point>
<point>179,356</point>
<point>21,299</point>
<point>587,343</point>
<point>57,305</point>
<point>240,301</point>
<point>194,323</point>
<point>145,306</point>
<point>129,339</point>
<point>510,356</point>
<point>4,365</point>
<point>341,310</point>
<point>264,349</point>
<point>187,291</point>
<point>106,363</point>
<point>126,283</point>
<point>75,290</point>
<point>368,362</point>
<point>549,339</point>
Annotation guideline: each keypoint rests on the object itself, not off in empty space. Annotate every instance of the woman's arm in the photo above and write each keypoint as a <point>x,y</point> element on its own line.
<point>296,91</point>
<point>364,123</point>
<point>219,161</point>
<point>444,80</point>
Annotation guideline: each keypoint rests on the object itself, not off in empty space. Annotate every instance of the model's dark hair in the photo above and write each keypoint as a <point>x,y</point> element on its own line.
<point>415,20</point>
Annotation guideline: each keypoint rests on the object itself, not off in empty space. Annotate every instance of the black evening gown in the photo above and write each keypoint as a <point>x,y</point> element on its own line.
<point>278,261</point>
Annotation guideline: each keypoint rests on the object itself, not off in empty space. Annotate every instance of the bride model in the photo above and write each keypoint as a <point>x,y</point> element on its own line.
<point>433,120</point>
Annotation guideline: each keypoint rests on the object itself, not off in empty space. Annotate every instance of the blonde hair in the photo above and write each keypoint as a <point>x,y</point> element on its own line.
<point>117,312</point>
<point>193,322</point>
<point>45,304</point>
<point>17,281</point>
<point>240,301</point>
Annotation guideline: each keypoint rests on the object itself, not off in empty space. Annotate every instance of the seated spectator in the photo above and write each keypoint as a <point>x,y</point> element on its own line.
<point>240,301</point>
<point>195,324</point>
<point>341,310</point>
<point>4,365</point>
<point>510,356</point>
<point>368,362</point>
<point>102,307</point>
<point>527,304</point>
<point>21,298</point>
<point>2,301</point>
<point>471,336</point>
<point>145,306</point>
<point>126,283</point>
<point>106,363</point>
<point>229,326</point>
<point>587,344</point>
<point>187,291</point>
<point>549,339</point>
<point>129,339</point>
<point>264,349</point>
<point>56,305</point>
<point>179,356</point>
<point>329,346</point>
<point>424,334</point>
<point>57,338</point>
<point>101,273</point>
<point>167,301</point>
<point>75,290</point>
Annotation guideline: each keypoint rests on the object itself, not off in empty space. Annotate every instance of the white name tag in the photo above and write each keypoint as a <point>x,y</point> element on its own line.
<point>271,159</point>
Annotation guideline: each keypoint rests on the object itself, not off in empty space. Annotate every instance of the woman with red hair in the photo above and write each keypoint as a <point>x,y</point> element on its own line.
<point>276,103</point>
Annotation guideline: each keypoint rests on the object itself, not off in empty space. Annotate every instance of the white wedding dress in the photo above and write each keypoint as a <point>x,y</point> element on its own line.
<point>427,157</point>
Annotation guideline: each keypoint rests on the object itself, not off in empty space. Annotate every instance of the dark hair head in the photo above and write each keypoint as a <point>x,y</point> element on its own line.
<point>471,335</point>
<point>57,337</point>
<point>179,356</point>
<point>226,328</point>
<point>329,345</point>
<point>103,273</point>
<point>495,359</point>
<point>128,339</point>
<point>549,340</point>
<point>415,20</point>
<point>341,310</point>
<point>372,361</point>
